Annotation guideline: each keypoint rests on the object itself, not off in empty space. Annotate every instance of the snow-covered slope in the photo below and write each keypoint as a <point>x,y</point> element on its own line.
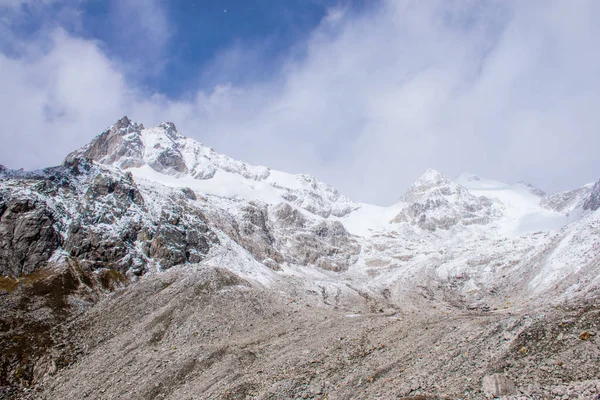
<point>521,204</point>
<point>465,240</point>
<point>161,154</point>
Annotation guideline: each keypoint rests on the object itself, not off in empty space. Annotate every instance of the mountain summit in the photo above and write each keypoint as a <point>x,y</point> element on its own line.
<point>164,155</point>
<point>129,145</point>
<point>435,202</point>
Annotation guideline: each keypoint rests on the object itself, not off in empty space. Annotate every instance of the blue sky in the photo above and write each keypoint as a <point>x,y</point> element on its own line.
<point>365,95</point>
<point>169,45</point>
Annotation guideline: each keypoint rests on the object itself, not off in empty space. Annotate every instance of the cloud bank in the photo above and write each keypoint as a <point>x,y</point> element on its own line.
<point>507,90</point>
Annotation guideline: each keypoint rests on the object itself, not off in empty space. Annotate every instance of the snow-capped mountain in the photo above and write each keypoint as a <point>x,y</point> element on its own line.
<point>161,154</point>
<point>435,202</point>
<point>143,199</point>
<point>168,222</point>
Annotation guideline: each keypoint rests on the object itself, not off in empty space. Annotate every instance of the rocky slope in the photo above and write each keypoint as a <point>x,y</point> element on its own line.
<point>168,270</point>
<point>435,202</point>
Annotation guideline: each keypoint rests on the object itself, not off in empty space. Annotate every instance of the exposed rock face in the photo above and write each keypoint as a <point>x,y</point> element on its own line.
<point>169,161</point>
<point>179,240</point>
<point>320,199</point>
<point>435,202</point>
<point>27,236</point>
<point>289,216</point>
<point>283,234</point>
<point>119,145</point>
<point>325,244</point>
<point>533,190</point>
<point>252,230</point>
<point>98,217</point>
<point>593,202</point>
<point>566,201</point>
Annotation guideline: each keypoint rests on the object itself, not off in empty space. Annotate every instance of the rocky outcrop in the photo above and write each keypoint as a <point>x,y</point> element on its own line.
<point>285,235</point>
<point>289,217</point>
<point>593,201</point>
<point>532,189</point>
<point>98,217</point>
<point>435,202</point>
<point>319,198</point>
<point>27,236</point>
<point>566,201</point>
<point>169,161</point>
<point>179,241</point>
<point>120,145</point>
<point>253,231</point>
<point>304,241</point>
<point>326,245</point>
<point>584,198</point>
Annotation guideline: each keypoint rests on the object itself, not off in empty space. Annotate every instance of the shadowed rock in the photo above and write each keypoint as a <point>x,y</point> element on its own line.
<point>27,236</point>
<point>593,202</point>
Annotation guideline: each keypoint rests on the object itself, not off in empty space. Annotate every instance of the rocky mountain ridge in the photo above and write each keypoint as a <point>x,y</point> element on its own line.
<point>165,151</point>
<point>138,202</point>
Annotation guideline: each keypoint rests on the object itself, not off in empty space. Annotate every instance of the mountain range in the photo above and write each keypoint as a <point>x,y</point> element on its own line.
<point>141,208</point>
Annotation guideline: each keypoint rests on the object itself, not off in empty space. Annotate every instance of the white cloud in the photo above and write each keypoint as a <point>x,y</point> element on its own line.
<point>503,89</point>
<point>52,101</point>
<point>142,32</point>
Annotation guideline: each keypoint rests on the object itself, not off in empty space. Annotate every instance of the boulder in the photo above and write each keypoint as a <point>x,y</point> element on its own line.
<point>496,385</point>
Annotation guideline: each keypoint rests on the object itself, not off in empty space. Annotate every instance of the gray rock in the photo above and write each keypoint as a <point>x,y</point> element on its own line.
<point>429,206</point>
<point>120,145</point>
<point>566,201</point>
<point>189,194</point>
<point>498,385</point>
<point>27,236</point>
<point>99,217</point>
<point>255,235</point>
<point>289,216</point>
<point>170,161</point>
<point>179,240</point>
<point>593,202</point>
<point>326,245</point>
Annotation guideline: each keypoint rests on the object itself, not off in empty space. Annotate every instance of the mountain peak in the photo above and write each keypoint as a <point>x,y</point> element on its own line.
<point>171,131</point>
<point>163,155</point>
<point>431,181</point>
<point>119,145</point>
<point>125,124</point>
<point>435,201</point>
<point>124,121</point>
<point>168,125</point>
<point>431,175</point>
